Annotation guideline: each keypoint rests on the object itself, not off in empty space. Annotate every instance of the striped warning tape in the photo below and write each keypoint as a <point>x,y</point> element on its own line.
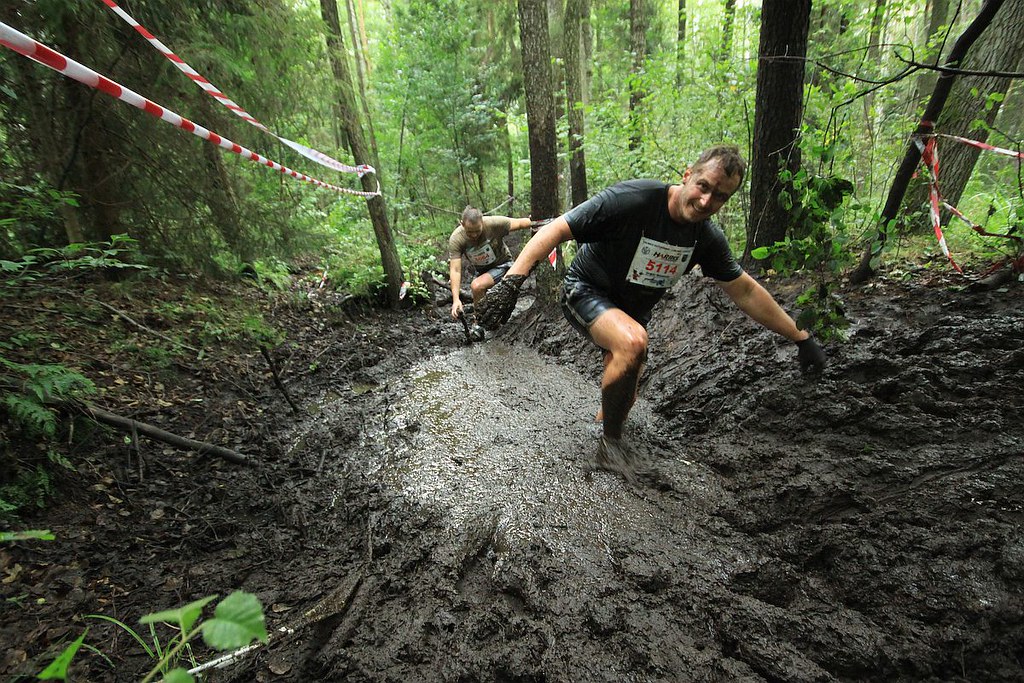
<point>983,145</point>
<point>930,157</point>
<point>23,45</point>
<point>215,93</point>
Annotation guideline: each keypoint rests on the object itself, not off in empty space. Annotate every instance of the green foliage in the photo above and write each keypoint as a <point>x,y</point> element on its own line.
<point>58,669</point>
<point>273,272</point>
<point>237,621</point>
<point>32,387</point>
<point>74,257</point>
<point>29,487</point>
<point>29,214</point>
<point>817,242</point>
<point>27,535</point>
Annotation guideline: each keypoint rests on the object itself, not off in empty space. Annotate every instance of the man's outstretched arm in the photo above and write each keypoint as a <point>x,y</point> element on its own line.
<point>540,245</point>
<point>519,223</point>
<point>754,300</point>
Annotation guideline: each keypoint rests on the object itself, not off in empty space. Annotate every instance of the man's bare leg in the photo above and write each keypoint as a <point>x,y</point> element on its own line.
<point>625,344</point>
<point>636,392</point>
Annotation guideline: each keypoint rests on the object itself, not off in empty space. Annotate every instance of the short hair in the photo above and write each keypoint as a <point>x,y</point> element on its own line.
<point>728,158</point>
<point>471,215</point>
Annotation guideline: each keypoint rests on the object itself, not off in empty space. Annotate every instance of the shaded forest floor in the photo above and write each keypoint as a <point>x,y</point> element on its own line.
<point>429,512</point>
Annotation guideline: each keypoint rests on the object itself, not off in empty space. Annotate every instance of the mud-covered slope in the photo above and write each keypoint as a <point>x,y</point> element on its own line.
<point>429,513</point>
<point>861,525</point>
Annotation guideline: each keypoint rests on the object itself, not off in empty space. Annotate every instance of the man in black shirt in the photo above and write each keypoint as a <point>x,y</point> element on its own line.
<point>637,238</point>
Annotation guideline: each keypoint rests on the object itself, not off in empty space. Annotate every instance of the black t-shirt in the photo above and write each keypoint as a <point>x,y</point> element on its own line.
<point>609,227</point>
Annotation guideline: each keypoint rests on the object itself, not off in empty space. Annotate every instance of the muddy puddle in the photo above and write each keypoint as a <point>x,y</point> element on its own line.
<point>497,432</point>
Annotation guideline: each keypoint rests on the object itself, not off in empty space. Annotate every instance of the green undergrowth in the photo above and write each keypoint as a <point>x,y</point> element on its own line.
<point>114,337</point>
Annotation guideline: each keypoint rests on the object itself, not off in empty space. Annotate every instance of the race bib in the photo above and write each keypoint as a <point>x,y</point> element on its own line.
<point>482,255</point>
<point>657,264</point>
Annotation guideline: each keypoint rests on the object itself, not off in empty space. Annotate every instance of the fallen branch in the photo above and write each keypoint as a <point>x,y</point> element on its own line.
<point>142,327</point>
<point>158,434</point>
<point>277,379</point>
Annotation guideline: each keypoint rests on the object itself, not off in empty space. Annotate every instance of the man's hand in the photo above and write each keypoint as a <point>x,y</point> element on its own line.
<point>496,307</point>
<point>456,308</point>
<point>810,355</point>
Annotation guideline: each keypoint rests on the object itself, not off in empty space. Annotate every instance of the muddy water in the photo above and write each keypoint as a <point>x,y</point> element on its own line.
<point>499,429</point>
<point>499,440</point>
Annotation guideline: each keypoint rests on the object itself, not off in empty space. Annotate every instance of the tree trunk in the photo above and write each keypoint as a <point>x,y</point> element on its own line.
<point>1002,50</point>
<point>728,21</point>
<point>587,36</point>
<point>680,42</point>
<point>777,112</point>
<point>540,118</point>
<point>359,56</point>
<point>574,102</point>
<point>875,34</point>
<point>510,168</point>
<point>92,174</point>
<point>354,130</point>
<point>637,92</point>
<point>866,268</point>
<point>219,193</point>
<point>48,137</point>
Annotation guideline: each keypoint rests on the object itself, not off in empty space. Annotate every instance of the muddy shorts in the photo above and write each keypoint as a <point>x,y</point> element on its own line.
<point>582,303</point>
<point>497,272</point>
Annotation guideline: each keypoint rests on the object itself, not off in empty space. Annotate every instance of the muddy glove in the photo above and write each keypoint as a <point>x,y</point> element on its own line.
<point>496,307</point>
<point>810,355</point>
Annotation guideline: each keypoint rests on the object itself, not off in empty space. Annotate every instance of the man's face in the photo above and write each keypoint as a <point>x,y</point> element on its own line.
<point>473,230</point>
<point>703,192</point>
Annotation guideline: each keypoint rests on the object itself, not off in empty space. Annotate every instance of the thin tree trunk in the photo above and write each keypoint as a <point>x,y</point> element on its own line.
<point>219,194</point>
<point>587,36</point>
<point>574,102</point>
<point>401,149</point>
<point>938,13</point>
<point>540,117</point>
<point>680,42</point>
<point>638,49</point>
<point>360,59</point>
<point>728,21</point>
<point>350,120</point>
<point>875,34</point>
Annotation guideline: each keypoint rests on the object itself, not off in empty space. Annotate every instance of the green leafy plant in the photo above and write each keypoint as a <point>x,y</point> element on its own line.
<point>26,535</point>
<point>273,272</point>
<point>28,394</point>
<point>817,243</point>
<point>237,621</point>
<point>79,256</point>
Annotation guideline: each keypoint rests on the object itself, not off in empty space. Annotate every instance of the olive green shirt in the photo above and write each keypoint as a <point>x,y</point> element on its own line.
<point>488,250</point>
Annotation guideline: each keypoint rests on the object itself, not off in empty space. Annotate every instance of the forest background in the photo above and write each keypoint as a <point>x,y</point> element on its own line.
<point>516,108</point>
<point>436,96</point>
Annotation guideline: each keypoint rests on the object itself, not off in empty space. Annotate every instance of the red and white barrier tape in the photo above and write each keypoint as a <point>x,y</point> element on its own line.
<point>553,257</point>
<point>213,92</point>
<point>930,157</point>
<point>23,45</point>
<point>983,145</point>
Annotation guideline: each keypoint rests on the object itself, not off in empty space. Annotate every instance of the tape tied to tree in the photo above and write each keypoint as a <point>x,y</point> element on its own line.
<point>215,93</point>
<point>37,52</point>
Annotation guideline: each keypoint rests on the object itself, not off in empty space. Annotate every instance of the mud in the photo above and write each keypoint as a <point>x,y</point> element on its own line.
<point>435,515</point>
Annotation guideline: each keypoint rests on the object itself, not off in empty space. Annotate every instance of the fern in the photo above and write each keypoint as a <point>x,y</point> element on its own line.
<point>33,417</point>
<point>39,384</point>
